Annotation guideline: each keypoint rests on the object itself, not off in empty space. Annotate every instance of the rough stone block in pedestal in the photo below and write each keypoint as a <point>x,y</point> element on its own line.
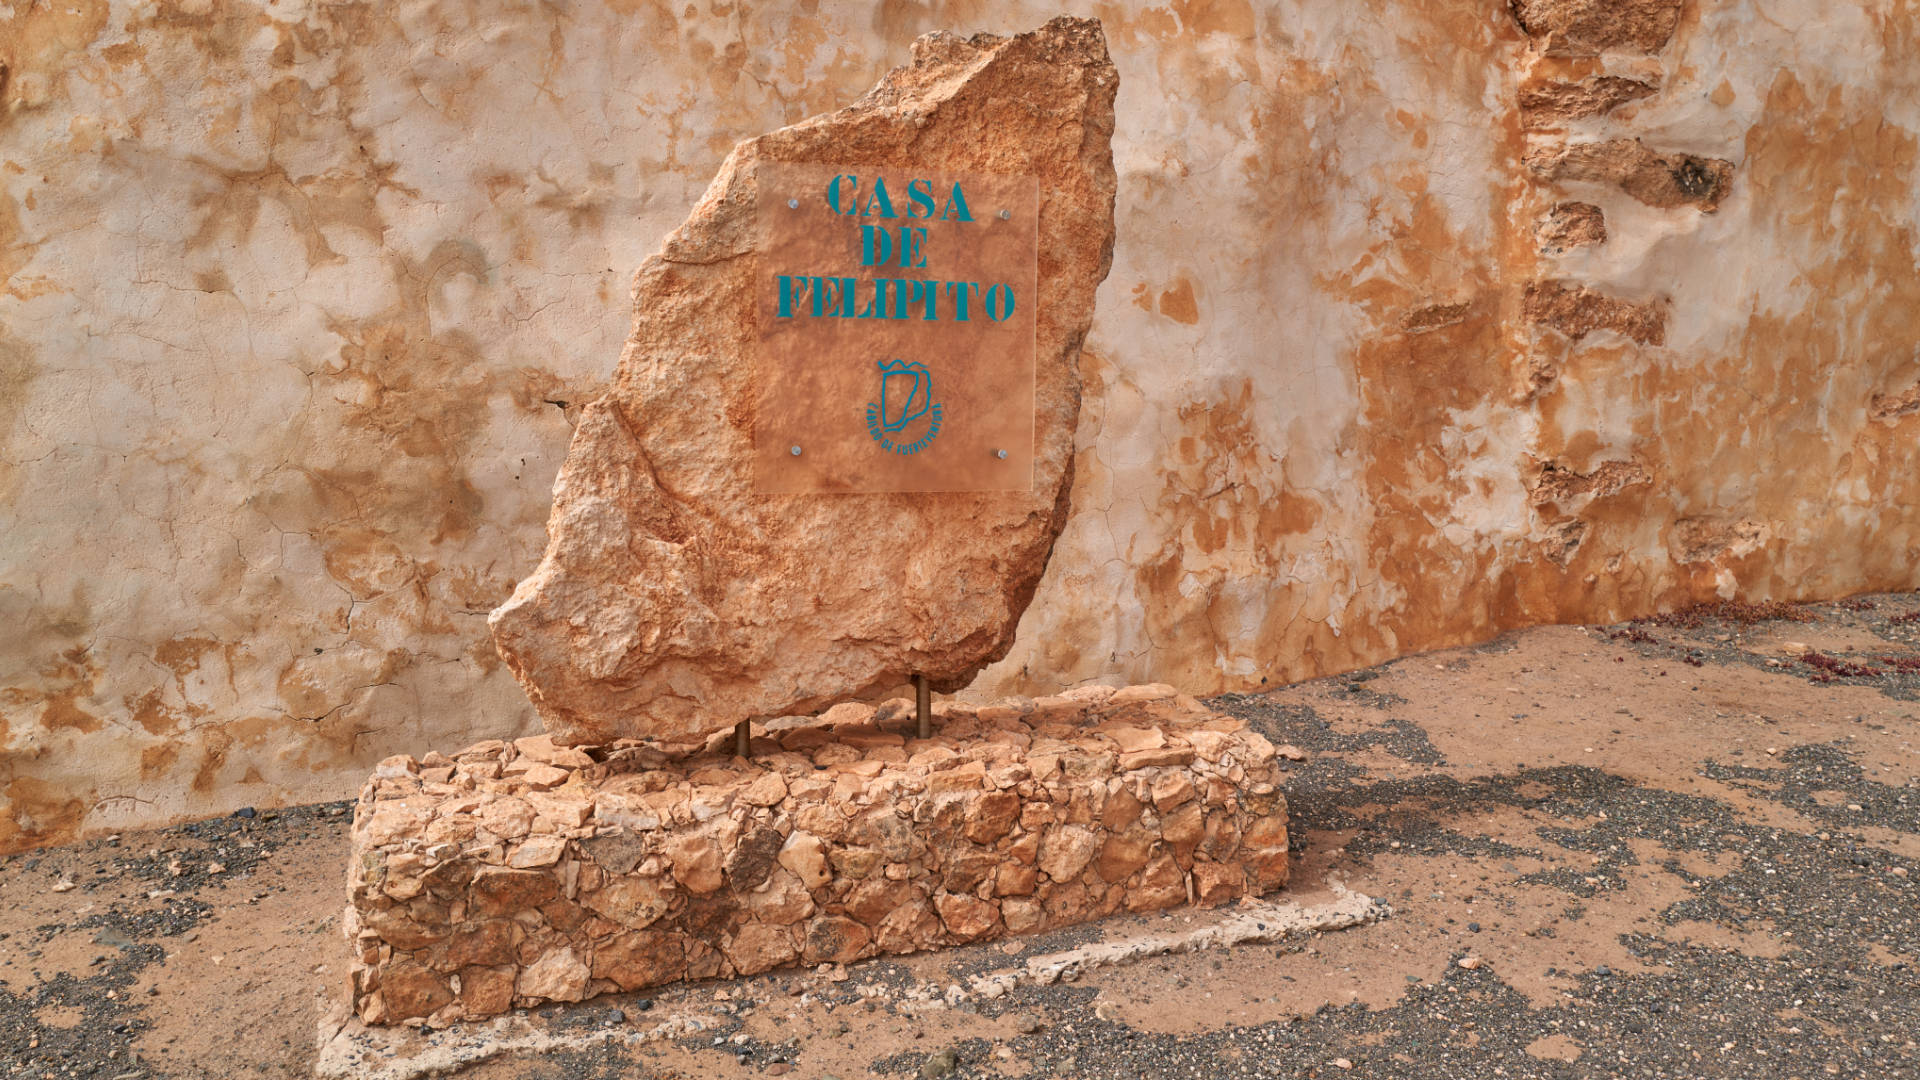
<point>512,874</point>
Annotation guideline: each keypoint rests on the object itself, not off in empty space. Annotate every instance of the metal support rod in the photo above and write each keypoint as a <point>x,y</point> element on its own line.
<point>743,739</point>
<point>923,702</point>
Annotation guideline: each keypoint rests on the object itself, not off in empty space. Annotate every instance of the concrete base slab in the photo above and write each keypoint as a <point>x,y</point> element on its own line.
<point>350,1049</point>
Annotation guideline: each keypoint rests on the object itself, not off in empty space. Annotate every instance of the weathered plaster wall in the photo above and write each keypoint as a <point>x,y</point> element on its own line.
<point>297,301</point>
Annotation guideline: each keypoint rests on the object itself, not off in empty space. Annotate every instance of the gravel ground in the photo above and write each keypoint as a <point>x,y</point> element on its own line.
<point>1681,847</point>
<point>128,902</point>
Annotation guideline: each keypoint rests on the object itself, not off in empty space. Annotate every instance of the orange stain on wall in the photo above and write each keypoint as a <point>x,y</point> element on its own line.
<point>1179,304</point>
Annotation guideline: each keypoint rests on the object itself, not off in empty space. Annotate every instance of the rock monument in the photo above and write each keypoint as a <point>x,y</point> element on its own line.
<point>835,456</point>
<point>682,589</point>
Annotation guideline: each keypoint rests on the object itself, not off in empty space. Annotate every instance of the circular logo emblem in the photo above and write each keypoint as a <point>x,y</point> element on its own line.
<point>906,418</point>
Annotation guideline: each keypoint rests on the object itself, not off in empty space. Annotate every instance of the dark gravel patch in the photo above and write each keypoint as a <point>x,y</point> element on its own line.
<point>1302,726</point>
<point>1719,634</point>
<point>101,1015</point>
<point>1826,1006</point>
<point>1842,998</point>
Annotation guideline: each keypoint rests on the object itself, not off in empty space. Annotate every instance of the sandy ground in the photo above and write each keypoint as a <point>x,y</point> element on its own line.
<point>1665,849</point>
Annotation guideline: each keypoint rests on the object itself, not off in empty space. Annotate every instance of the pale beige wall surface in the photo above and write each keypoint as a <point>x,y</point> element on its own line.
<point>296,302</point>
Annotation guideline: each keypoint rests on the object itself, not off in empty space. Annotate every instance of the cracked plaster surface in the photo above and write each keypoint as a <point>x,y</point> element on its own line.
<point>297,303</point>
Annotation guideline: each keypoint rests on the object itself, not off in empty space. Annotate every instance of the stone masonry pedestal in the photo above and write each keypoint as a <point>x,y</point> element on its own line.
<point>512,874</point>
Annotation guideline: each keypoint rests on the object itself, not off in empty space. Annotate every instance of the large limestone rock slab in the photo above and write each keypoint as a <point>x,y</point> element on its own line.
<point>513,874</point>
<point>672,598</point>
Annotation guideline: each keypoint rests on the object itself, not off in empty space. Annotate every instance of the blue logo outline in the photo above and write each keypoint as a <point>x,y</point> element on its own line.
<point>880,427</point>
<point>922,379</point>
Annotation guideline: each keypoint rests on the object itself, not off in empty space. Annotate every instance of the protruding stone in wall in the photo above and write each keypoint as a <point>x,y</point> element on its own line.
<point>672,598</point>
<point>1554,483</point>
<point>520,873</point>
<point>1698,540</point>
<point>1576,311</point>
<point>1590,27</point>
<point>1431,317</point>
<point>1659,180</point>
<point>1559,493</point>
<point>1550,103</point>
<point>1570,225</point>
<point>1894,406</point>
<point>1560,542</point>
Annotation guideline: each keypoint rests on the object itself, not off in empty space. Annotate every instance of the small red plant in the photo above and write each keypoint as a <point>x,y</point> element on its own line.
<point>1835,668</point>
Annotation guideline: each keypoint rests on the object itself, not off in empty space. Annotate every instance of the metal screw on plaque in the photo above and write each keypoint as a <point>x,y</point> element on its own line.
<point>795,451</point>
<point>793,204</point>
<point>1001,454</point>
<point>1006,215</point>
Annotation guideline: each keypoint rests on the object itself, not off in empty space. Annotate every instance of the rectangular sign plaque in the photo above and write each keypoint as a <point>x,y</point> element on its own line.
<point>896,314</point>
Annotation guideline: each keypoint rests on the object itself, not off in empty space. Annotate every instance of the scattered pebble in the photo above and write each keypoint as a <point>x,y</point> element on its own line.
<point>939,1063</point>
